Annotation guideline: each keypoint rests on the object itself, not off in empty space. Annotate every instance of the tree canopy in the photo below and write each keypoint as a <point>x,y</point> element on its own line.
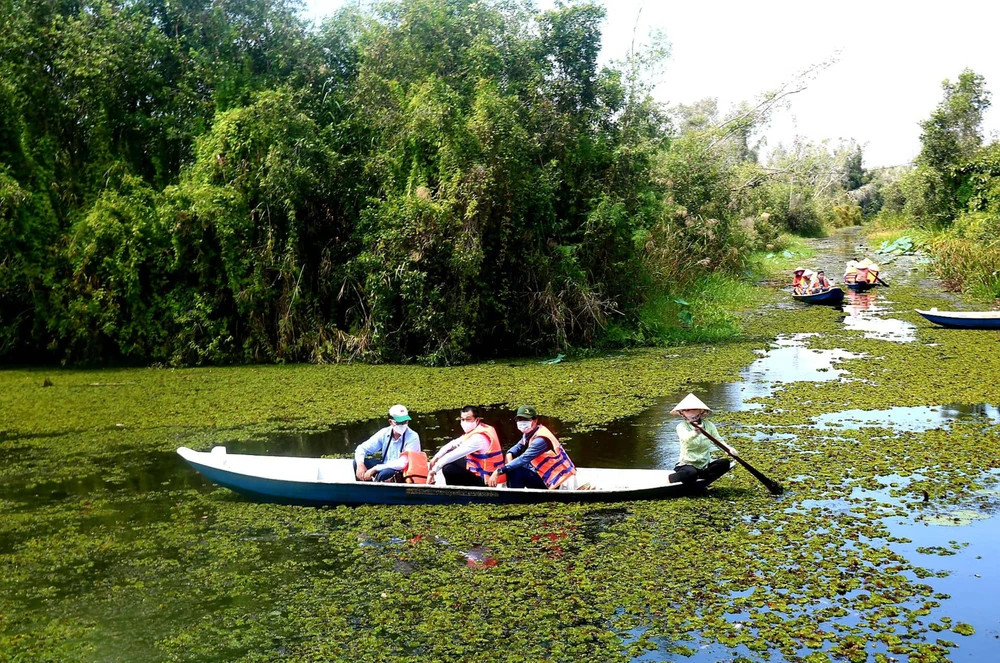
<point>208,181</point>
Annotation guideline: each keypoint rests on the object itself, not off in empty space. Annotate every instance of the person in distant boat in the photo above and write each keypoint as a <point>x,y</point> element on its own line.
<point>695,459</point>
<point>800,282</point>
<point>870,270</point>
<point>471,458</point>
<point>820,283</point>
<point>851,272</point>
<point>537,460</point>
<point>387,454</point>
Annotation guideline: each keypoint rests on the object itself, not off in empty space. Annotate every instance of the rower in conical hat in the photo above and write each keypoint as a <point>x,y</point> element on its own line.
<point>695,459</point>
<point>690,402</point>
<point>800,280</point>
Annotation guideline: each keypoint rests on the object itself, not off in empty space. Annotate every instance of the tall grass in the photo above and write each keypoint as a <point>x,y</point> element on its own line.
<point>704,311</point>
<point>967,255</point>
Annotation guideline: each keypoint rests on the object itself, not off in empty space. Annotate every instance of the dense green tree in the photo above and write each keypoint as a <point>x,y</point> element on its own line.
<point>215,180</point>
<point>950,138</point>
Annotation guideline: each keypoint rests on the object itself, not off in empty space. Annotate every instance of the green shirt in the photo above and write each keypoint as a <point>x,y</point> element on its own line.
<point>696,449</point>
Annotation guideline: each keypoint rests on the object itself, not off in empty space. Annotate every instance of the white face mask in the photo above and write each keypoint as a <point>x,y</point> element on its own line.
<point>399,428</point>
<point>524,426</point>
<point>467,426</point>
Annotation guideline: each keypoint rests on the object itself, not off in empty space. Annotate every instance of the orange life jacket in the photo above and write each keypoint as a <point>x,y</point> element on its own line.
<point>553,465</point>
<point>483,464</point>
<point>822,283</point>
<point>416,467</point>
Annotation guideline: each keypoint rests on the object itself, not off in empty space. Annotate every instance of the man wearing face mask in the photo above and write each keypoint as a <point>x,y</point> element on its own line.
<point>538,460</point>
<point>468,460</point>
<point>390,446</point>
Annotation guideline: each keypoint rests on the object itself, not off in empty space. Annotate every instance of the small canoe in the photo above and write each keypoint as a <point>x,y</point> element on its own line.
<point>330,481</point>
<point>963,319</point>
<point>831,296</point>
<point>861,286</point>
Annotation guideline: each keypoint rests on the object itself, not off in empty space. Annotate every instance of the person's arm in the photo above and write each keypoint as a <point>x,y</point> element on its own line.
<point>368,447</point>
<point>686,432</point>
<point>517,449</point>
<point>472,445</point>
<point>536,448</point>
<point>714,432</point>
<point>513,453</point>
<point>445,449</point>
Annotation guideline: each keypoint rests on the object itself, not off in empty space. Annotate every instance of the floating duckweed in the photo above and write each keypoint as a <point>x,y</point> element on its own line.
<point>112,549</point>
<point>963,629</point>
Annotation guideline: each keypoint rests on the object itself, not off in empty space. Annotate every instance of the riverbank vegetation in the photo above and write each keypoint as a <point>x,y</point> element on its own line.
<point>432,180</point>
<point>952,194</point>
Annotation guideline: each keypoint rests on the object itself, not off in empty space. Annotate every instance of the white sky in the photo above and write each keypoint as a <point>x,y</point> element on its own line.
<point>892,58</point>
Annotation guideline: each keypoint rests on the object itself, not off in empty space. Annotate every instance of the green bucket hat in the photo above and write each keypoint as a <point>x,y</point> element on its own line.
<point>527,412</point>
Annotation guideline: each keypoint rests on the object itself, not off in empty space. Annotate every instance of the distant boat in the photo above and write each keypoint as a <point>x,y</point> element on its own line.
<point>963,319</point>
<point>861,286</point>
<point>330,481</point>
<point>831,296</point>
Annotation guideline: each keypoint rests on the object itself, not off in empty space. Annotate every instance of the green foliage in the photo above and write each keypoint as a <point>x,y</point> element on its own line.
<point>847,215</point>
<point>429,180</point>
<point>953,132</point>
<point>937,189</point>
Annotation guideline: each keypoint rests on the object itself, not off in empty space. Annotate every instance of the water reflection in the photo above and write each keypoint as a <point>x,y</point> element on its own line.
<point>909,419</point>
<point>646,440</point>
<point>864,313</point>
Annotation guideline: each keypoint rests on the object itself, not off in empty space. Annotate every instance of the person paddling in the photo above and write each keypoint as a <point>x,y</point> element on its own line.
<point>469,459</point>
<point>695,459</point>
<point>386,455</point>
<point>537,460</point>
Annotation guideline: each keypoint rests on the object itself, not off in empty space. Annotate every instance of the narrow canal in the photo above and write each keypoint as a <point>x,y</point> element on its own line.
<point>885,547</point>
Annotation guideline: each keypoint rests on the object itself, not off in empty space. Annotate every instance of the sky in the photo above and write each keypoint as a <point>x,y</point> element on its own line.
<point>891,57</point>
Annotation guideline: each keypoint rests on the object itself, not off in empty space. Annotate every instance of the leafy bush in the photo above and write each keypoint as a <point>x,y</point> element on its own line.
<point>428,180</point>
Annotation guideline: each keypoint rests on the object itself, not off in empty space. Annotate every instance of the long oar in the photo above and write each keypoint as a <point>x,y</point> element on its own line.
<point>881,281</point>
<point>772,486</point>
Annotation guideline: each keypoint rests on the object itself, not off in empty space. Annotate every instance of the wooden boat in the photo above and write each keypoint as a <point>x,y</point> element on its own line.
<point>831,296</point>
<point>861,286</point>
<point>330,481</point>
<point>963,319</point>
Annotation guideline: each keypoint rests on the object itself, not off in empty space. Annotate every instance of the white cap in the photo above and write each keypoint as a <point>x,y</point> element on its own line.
<point>399,414</point>
<point>690,402</point>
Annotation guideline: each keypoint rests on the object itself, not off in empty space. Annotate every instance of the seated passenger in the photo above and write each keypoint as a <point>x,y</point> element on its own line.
<point>820,283</point>
<point>538,460</point>
<point>386,454</point>
<point>470,458</point>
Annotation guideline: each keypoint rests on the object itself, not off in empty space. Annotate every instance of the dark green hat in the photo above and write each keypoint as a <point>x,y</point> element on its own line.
<point>527,412</point>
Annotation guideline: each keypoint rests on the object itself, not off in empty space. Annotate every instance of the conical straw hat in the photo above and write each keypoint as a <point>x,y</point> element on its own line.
<point>690,402</point>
